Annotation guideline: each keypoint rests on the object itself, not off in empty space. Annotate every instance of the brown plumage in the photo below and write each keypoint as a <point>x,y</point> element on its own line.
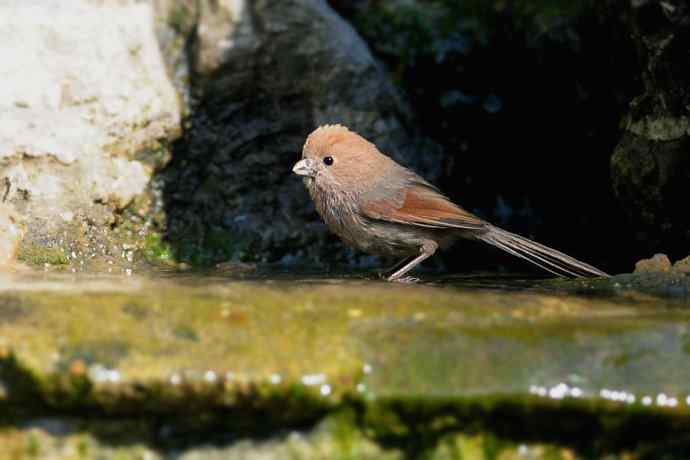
<point>380,207</point>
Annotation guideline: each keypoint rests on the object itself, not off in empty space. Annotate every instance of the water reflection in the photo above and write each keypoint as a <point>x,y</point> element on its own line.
<point>450,335</point>
<point>296,276</point>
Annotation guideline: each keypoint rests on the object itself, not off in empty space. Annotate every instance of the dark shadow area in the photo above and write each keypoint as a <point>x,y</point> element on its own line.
<point>590,434</point>
<point>528,115</point>
<point>229,192</point>
<point>147,414</point>
<point>515,114</point>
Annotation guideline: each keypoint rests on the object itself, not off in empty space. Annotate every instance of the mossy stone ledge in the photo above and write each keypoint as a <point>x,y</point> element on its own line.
<point>120,365</point>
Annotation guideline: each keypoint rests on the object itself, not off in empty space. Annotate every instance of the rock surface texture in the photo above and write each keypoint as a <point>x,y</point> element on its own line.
<point>651,165</point>
<point>210,368</point>
<point>10,236</point>
<point>228,364</point>
<point>83,94</point>
<point>265,74</point>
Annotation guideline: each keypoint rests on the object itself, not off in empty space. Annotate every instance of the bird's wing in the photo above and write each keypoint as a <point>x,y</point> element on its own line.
<point>421,205</point>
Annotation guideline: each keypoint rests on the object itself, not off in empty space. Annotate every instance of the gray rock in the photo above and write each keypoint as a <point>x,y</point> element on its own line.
<point>82,92</point>
<point>649,167</point>
<point>266,74</point>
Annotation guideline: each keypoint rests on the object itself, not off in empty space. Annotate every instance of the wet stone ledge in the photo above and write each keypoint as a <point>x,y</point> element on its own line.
<point>205,367</point>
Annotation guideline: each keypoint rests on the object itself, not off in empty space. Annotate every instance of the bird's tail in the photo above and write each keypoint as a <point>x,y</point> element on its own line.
<point>549,259</point>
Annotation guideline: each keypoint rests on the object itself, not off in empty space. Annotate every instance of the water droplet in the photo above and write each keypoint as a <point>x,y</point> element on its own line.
<point>210,376</point>
<point>313,379</point>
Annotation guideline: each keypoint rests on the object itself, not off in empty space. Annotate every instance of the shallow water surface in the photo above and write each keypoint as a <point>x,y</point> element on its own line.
<point>296,346</point>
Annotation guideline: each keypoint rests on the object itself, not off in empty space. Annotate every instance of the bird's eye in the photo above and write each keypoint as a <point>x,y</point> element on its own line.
<point>328,161</point>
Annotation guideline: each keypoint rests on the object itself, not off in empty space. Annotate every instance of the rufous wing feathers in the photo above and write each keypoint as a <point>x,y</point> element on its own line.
<point>422,206</point>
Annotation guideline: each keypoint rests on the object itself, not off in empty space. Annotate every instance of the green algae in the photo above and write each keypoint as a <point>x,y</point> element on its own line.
<point>410,371</point>
<point>12,309</point>
<point>157,251</point>
<point>212,345</point>
<point>216,246</point>
<point>156,155</point>
<point>638,287</point>
<point>187,333</point>
<point>38,255</point>
<point>338,436</point>
<point>108,353</point>
<point>318,444</point>
<point>411,336</point>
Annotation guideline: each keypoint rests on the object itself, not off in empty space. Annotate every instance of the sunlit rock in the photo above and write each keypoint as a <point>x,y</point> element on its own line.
<point>682,266</point>
<point>657,263</point>
<point>10,235</point>
<point>83,93</point>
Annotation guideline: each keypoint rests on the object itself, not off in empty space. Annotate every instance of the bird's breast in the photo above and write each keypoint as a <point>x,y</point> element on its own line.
<point>340,211</point>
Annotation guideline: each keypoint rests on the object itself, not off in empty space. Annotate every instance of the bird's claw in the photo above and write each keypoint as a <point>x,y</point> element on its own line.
<point>405,280</point>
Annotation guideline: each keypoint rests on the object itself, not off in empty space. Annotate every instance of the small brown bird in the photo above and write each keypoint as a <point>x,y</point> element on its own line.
<point>380,207</point>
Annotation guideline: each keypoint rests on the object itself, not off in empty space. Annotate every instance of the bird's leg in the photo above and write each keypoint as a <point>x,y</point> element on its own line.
<point>386,273</point>
<point>427,250</point>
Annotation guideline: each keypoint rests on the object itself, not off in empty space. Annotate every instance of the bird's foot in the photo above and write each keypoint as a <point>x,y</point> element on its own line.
<point>404,280</point>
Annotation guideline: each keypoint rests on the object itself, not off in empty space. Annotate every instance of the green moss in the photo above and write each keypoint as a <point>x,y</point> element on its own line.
<point>36,255</point>
<point>157,251</point>
<point>217,246</point>
<point>492,446</point>
<point>231,245</point>
<point>12,309</point>
<point>33,446</point>
<point>107,352</point>
<point>181,17</point>
<point>156,155</point>
<point>448,368</point>
<point>83,447</point>
<point>186,333</point>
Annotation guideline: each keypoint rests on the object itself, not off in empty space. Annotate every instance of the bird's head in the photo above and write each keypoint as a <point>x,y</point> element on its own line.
<point>334,157</point>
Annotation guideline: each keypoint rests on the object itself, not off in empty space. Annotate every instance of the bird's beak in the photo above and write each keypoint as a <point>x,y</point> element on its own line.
<point>304,167</point>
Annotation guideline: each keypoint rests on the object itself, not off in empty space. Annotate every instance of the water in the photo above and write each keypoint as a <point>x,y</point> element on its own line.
<point>472,344</point>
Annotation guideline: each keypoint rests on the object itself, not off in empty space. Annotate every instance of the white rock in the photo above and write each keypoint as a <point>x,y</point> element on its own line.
<point>82,87</point>
<point>10,235</point>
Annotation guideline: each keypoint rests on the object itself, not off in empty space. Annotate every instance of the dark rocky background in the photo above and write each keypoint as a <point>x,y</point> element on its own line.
<point>563,121</point>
